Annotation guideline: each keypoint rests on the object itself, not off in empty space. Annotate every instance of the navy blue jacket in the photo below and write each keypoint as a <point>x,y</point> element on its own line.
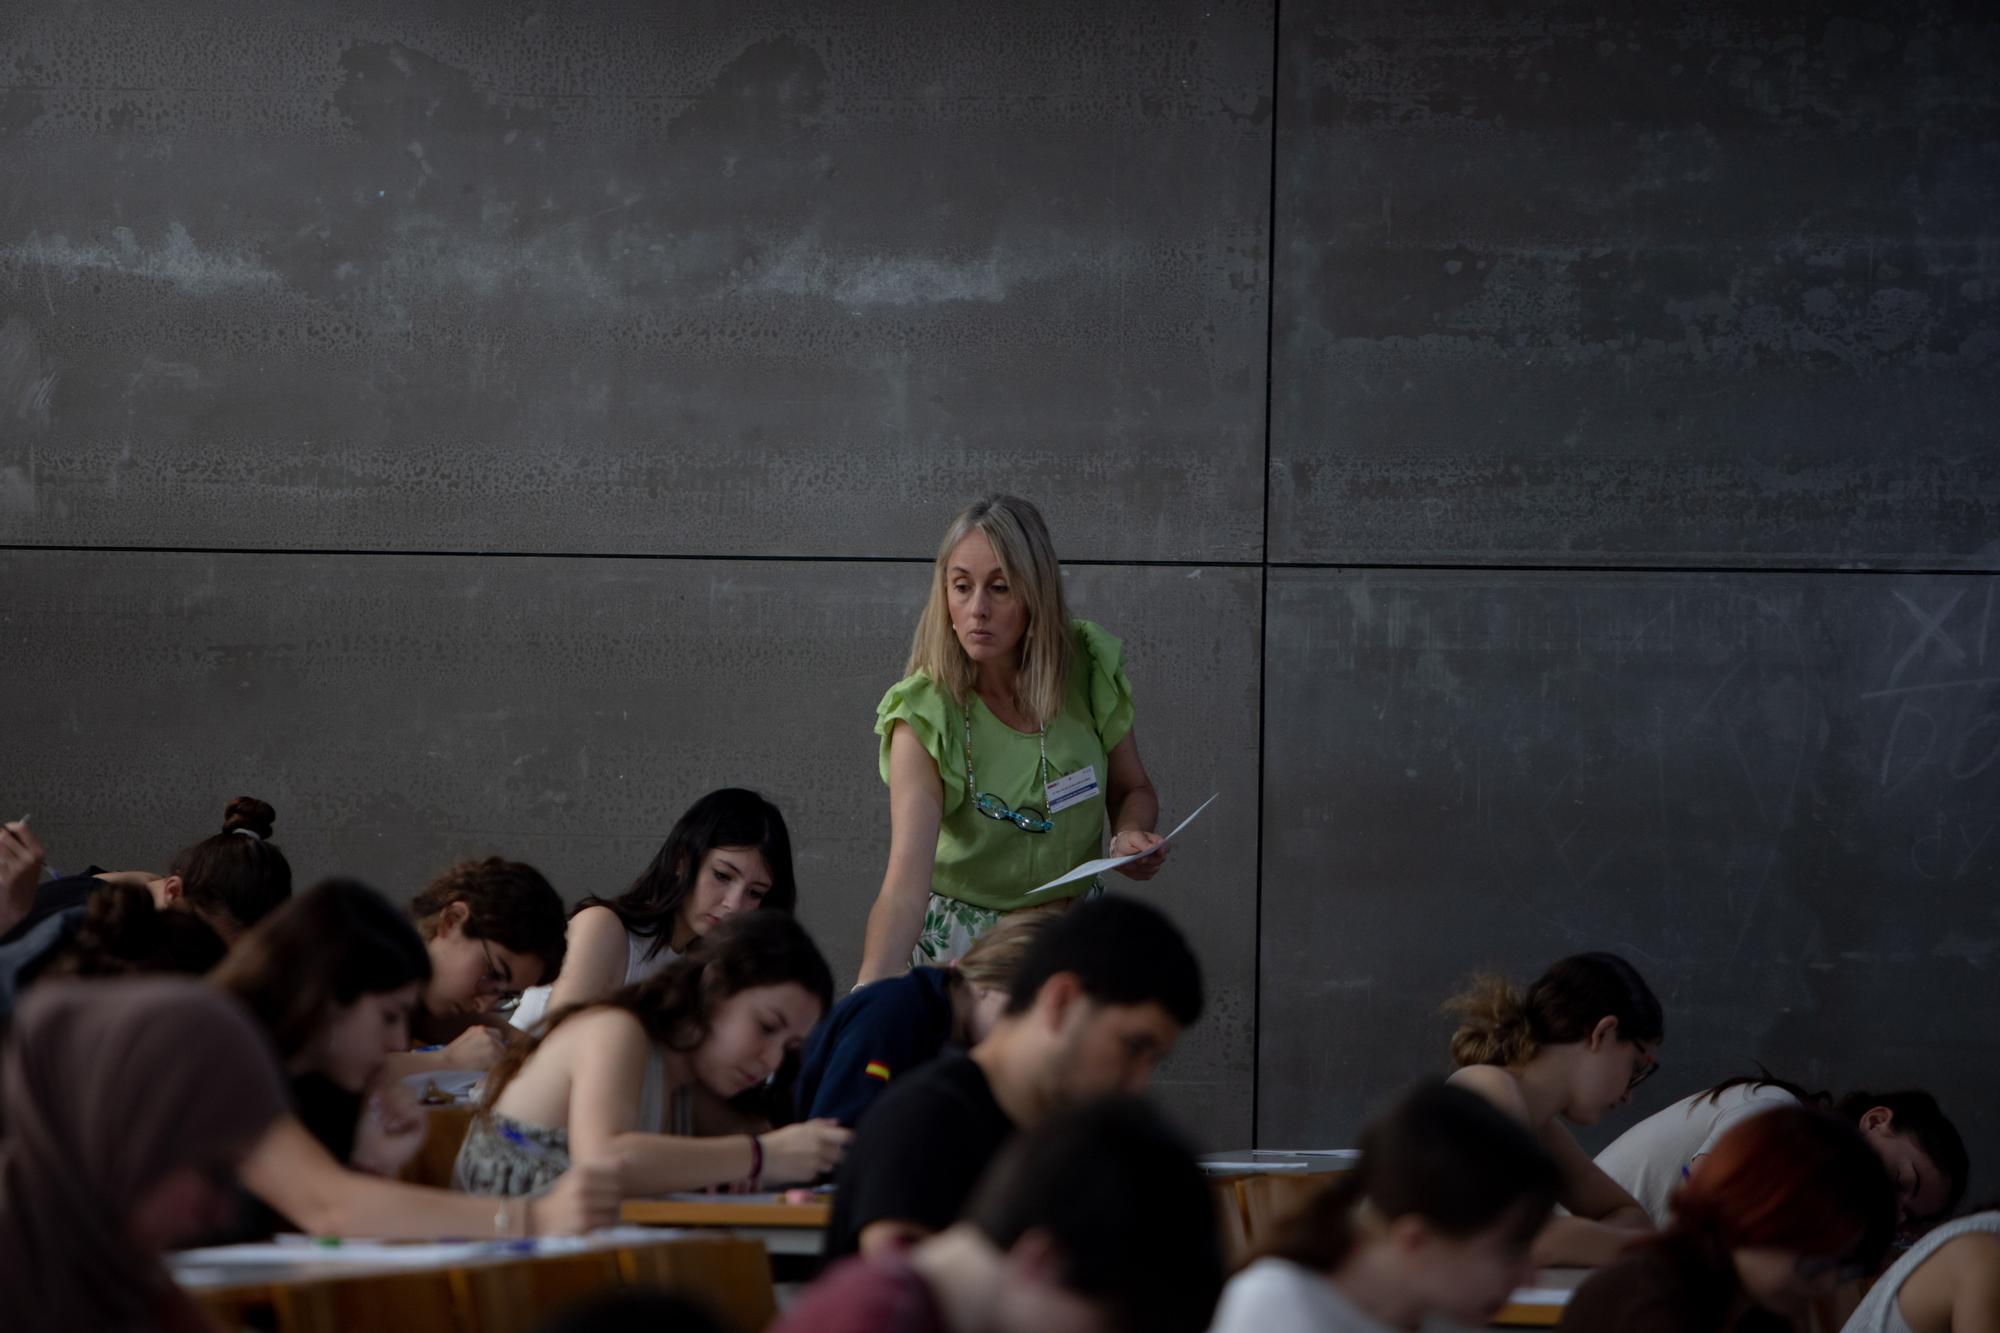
<point>874,1036</point>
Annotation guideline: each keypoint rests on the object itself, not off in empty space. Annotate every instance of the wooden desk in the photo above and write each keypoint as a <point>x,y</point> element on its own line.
<point>785,1230</point>
<point>475,1287</point>
<point>1540,1304</point>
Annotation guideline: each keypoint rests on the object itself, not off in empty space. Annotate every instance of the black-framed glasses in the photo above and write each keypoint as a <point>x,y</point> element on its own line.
<point>1028,819</point>
<point>1644,1072</point>
<point>502,987</point>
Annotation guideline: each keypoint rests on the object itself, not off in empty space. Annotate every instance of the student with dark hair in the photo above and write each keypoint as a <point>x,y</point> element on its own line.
<point>1921,1148</point>
<point>1100,998</point>
<point>493,929</point>
<point>618,1078</point>
<point>1948,1282</point>
<point>1097,1222</point>
<point>333,977</point>
<point>1434,1222</point>
<point>116,932</point>
<point>1784,1207</point>
<point>729,853</point>
<point>1572,1047</point>
<point>230,880</point>
<point>126,1103</point>
<point>889,1028</point>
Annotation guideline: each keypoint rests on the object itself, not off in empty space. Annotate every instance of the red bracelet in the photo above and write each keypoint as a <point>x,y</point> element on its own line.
<point>756,1162</point>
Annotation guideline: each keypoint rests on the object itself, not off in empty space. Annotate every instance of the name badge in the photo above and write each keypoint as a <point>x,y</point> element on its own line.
<point>1072,789</point>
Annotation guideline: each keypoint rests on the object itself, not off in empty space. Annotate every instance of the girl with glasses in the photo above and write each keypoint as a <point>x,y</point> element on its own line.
<point>730,853</point>
<point>492,928</point>
<point>1786,1206</point>
<point>1571,1047</point>
<point>1007,747</point>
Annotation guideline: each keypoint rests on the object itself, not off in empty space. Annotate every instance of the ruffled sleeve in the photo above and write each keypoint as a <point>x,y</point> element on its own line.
<point>1102,657</point>
<point>915,700</point>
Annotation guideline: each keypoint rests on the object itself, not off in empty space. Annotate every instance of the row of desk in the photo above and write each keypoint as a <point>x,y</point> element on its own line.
<point>724,1252</point>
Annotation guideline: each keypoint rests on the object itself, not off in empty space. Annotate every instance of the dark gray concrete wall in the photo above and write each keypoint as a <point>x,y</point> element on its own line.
<point>456,423</point>
<point>1701,292</point>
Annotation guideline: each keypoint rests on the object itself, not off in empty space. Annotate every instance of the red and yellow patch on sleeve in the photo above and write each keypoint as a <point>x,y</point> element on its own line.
<point>876,1069</point>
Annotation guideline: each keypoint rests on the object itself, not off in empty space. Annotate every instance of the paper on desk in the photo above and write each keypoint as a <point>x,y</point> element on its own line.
<point>1102,864</point>
<point>1306,1152</point>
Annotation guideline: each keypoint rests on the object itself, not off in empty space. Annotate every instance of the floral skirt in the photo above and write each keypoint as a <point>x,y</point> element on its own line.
<point>950,926</point>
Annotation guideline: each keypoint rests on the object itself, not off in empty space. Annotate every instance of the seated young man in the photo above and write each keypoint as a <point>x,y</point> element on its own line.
<point>1098,1220</point>
<point>1098,1002</point>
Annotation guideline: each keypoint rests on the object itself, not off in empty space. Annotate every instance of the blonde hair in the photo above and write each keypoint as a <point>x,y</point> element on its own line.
<point>996,956</point>
<point>1493,1024</point>
<point>1028,558</point>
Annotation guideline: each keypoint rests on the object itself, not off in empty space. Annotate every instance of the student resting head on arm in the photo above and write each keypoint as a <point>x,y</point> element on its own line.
<point>729,853</point>
<point>1104,992</point>
<point>1783,1208</point>
<point>127,1106</point>
<point>1572,1047</point>
<point>493,929</point>
<point>1921,1148</point>
<point>231,879</point>
<point>1096,1221</point>
<point>1434,1222</point>
<point>616,1079</point>
<point>1008,747</point>
<point>889,1029</point>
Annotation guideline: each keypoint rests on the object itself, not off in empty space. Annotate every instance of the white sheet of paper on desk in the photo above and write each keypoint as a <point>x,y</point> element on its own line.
<point>1102,864</point>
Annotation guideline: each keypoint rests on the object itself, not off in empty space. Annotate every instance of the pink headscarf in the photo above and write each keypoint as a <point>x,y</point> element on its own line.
<point>106,1088</point>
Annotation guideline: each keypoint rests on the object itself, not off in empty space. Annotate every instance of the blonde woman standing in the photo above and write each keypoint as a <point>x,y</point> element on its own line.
<point>1006,747</point>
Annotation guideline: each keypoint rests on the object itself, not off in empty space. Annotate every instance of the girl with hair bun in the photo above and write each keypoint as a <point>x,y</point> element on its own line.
<point>231,879</point>
<point>1571,1047</point>
<point>1786,1206</point>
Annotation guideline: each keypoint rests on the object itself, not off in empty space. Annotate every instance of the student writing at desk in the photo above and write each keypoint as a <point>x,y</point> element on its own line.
<point>1571,1048</point>
<point>493,928</point>
<point>1006,747</point>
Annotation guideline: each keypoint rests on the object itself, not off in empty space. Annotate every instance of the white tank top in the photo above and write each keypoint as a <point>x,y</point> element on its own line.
<point>1879,1311</point>
<point>535,1000</point>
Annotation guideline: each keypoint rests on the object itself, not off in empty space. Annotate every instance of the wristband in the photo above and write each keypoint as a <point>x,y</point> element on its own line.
<point>756,1162</point>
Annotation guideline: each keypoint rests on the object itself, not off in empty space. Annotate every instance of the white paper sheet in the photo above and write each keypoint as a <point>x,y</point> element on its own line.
<point>1102,864</point>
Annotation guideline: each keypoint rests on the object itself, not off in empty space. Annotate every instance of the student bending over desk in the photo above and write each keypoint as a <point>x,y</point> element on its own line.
<point>1922,1149</point>
<point>1573,1047</point>
<point>1434,1222</point>
<point>888,1029</point>
<point>493,929</point>
<point>1096,1222</point>
<point>617,1079</point>
<point>1787,1205</point>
